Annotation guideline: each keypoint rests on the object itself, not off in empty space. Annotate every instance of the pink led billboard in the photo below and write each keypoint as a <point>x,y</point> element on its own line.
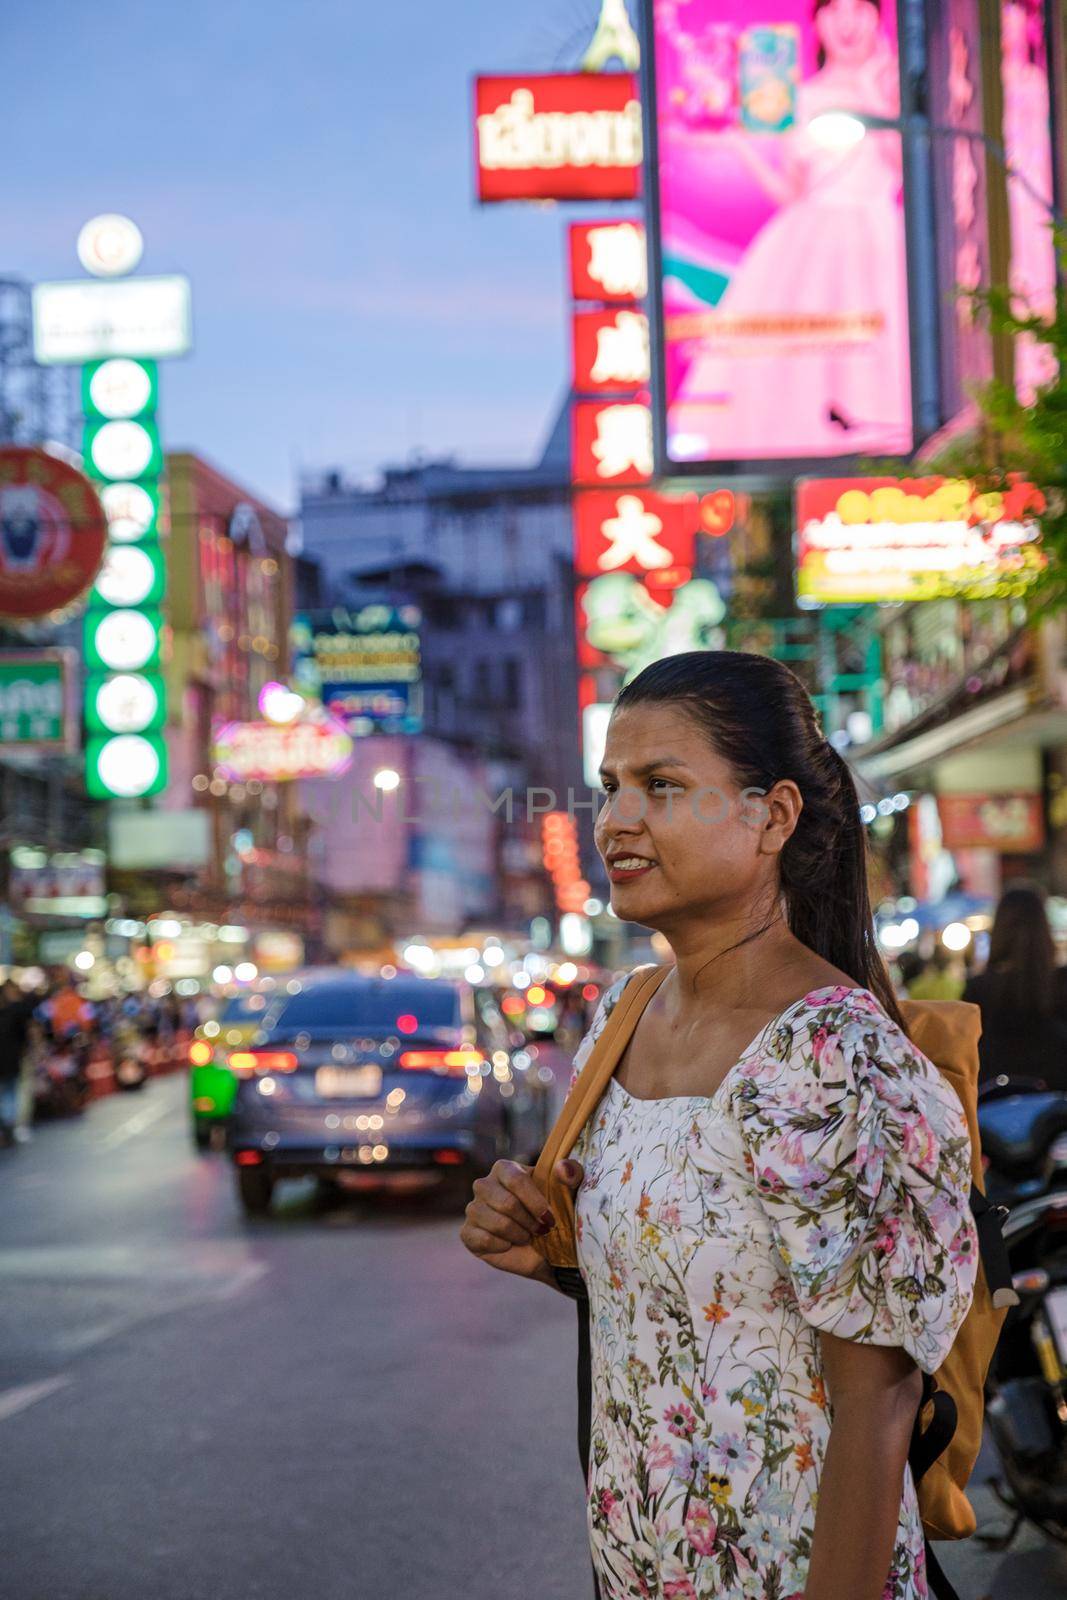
<point>1028,145</point>
<point>780,252</point>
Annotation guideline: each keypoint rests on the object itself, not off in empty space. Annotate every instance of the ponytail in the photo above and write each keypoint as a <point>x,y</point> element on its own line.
<point>825,878</point>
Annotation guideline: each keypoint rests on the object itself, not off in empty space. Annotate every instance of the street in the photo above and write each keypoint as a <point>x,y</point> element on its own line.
<point>338,1402</point>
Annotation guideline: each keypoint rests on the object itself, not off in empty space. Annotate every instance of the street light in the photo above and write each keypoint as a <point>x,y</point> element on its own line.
<point>386,778</point>
<point>844,130</point>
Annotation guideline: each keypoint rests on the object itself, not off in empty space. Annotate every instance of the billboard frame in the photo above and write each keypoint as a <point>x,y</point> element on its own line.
<point>773,471</point>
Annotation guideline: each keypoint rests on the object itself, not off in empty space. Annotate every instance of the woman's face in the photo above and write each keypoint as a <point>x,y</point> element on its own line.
<point>847,31</point>
<point>678,833</point>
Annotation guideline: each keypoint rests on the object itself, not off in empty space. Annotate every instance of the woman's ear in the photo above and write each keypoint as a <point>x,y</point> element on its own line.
<point>783,805</point>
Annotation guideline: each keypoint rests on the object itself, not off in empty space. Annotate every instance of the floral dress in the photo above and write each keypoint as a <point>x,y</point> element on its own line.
<point>824,1186</point>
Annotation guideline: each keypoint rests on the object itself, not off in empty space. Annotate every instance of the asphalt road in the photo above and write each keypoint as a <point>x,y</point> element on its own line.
<point>334,1404</point>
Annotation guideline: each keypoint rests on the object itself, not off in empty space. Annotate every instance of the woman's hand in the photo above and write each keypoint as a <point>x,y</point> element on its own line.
<point>508,1210</point>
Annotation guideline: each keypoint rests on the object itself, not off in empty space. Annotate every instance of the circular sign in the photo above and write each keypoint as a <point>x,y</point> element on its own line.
<point>127,703</point>
<point>125,640</point>
<point>120,387</point>
<point>53,533</point>
<point>128,765</point>
<point>110,245</point>
<point>130,511</point>
<point>126,577</point>
<point>121,450</point>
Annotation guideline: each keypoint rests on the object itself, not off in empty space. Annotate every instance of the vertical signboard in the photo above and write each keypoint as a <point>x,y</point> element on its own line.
<point>125,702</point>
<point>960,188</point>
<point>1027,113</point>
<point>778,267</point>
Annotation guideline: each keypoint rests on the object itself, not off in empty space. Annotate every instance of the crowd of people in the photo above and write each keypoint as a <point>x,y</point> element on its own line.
<point>53,1017</point>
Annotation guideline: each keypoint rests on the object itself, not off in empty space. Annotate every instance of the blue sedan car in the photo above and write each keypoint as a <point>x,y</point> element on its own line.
<point>366,1081</point>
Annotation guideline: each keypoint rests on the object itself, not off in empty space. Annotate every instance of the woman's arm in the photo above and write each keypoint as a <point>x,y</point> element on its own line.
<point>874,1396</point>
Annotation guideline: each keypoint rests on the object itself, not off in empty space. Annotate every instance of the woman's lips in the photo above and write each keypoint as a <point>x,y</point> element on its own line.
<point>618,873</point>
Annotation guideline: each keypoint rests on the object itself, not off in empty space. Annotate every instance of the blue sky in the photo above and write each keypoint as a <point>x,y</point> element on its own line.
<point>309,165</point>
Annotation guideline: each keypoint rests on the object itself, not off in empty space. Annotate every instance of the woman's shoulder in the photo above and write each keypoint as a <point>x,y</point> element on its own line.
<point>840,1071</point>
<point>840,1040</point>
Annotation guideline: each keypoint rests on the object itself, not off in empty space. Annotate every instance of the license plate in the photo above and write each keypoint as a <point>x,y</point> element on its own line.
<point>348,1083</point>
<point>1056,1312</point>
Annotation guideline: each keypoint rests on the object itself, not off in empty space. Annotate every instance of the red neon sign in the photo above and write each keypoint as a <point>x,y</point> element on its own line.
<point>608,261</point>
<point>560,136</point>
<point>633,530</point>
<point>610,351</point>
<point>611,442</point>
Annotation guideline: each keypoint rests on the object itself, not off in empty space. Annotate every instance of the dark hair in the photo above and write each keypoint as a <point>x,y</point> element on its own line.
<point>757,714</point>
<point>1022,956</point>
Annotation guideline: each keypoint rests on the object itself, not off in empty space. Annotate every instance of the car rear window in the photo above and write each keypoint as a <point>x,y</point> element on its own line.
<point>376,1008</point>
<point>244,1008</point>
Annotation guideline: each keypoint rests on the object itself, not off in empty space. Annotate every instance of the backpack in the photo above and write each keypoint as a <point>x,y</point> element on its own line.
<point>948,1427</point>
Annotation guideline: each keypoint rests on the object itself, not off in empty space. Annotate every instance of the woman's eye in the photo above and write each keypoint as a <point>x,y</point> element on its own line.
<point>660,785</point>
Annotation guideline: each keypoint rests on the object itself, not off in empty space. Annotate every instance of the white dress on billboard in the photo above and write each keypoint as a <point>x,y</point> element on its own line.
<point>836,250</point>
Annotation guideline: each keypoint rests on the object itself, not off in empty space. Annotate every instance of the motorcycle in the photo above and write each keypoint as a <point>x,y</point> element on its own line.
<point>129,1056</point>
<point>1024,1149</point>
<point>61,1081</point>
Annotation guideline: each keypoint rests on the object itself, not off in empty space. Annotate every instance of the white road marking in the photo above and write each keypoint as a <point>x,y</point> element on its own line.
<point>12,1401</point>
<point>133,1126</point>
<point>242,1279</point>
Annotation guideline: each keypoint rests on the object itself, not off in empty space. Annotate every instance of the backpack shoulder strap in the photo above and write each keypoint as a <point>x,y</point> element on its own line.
<point>583,1100</point>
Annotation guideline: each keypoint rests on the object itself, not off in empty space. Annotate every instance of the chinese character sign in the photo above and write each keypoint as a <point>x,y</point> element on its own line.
<point>633,531</point>
<point>608,261</point>
<point>782,266</point>
<point>611,351</point>
<point>612,442</point>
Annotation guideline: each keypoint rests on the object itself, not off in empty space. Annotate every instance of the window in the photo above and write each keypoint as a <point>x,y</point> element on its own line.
<point>370,1007</point>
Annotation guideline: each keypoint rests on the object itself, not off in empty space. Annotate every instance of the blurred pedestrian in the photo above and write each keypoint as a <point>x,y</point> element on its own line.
<point>16,1019</point>
<point>771,1200</point>
<point>906,969</point>
<point>66,1011</point>
<point>1022,994</point>
<point>938,979</point>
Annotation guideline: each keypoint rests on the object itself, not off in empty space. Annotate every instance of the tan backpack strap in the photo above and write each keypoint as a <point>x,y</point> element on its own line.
<point>582,1102</point>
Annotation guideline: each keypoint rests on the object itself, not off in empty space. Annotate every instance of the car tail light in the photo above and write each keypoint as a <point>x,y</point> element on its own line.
<point>248,1158</point>
<point>200,1052</point>
<point>448,1158</point>
<point>246,1062</point>
<point>455,1062</point>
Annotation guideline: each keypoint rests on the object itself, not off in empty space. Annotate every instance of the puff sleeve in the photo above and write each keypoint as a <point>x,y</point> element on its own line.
<point>859,1153</point>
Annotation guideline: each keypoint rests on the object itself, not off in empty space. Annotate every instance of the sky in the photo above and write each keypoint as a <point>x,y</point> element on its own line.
<point>310,167</point>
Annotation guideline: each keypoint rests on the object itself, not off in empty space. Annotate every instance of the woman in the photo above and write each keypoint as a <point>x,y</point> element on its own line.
<point>773,1217</point>
<point>1022,993</point>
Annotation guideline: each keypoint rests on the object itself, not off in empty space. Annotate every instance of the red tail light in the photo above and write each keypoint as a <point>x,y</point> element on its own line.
<point>248,1158</point>
<point>246,1062</point>
<point>453,1062</point>
<point>448,1158</point>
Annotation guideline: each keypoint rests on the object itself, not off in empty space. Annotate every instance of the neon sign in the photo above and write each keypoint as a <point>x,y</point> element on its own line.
<point>562,136</point>
<point>861,540</point>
